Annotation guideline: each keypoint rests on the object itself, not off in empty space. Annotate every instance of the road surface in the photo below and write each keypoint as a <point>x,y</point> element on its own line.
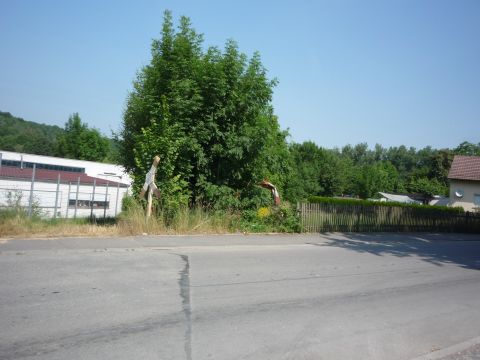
<point>334,296</point>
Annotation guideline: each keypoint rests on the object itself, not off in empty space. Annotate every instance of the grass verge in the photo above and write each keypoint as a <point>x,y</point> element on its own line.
<point>16,224</point>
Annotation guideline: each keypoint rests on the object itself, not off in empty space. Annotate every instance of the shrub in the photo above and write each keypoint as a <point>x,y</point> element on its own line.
<point>282,218</point>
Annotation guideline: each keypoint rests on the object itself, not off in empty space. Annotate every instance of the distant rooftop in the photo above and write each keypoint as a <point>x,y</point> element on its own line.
<point>398,198</point>
<point>465,168</point>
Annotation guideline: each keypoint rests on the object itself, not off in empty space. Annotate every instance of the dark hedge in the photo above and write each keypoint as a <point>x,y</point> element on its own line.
<point>341,201</point>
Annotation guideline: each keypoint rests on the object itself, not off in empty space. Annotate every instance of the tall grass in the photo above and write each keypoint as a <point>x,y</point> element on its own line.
<point>18,224</point>
<point>14,223</point>
<point>198,220</point>
<point>184,221</point>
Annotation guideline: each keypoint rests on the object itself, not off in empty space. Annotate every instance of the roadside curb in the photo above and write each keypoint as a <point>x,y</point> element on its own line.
<point>449,350</point>
<point>145,235</point>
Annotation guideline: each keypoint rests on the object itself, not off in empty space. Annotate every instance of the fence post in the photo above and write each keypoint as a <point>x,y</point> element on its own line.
<point>30,200</point>
<point>299,214</point>
<point>304,222</point>
<point>116,201</point>
<point>93,198</point>
<point>467,215</point>
<point>56,197</point>
<point>76,198</point>
<point>105,203</point>
<point>357,210</point>
<point>68,197</point>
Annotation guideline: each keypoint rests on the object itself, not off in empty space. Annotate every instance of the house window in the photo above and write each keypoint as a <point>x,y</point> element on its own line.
<point>476,199</point>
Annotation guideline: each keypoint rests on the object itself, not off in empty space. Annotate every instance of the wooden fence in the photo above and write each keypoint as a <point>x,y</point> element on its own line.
<point>328,217</point>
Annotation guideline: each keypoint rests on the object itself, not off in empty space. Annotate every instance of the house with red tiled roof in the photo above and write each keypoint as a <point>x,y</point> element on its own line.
<point>464,179</point>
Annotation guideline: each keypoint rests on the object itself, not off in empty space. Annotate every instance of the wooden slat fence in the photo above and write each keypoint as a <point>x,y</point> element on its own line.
<point>329,217</point>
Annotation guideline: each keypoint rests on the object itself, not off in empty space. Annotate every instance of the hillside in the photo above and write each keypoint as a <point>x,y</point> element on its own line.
<point>20,135</point>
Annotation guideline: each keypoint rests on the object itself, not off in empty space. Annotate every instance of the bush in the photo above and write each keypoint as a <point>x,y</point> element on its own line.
<point>282,218</point>
<point>220,197</point>
<point>129,202</point>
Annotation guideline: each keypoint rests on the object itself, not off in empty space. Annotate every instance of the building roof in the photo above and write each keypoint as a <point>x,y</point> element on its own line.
<point>465,168</point>
<point>399,198</point>
<point>44,175</point>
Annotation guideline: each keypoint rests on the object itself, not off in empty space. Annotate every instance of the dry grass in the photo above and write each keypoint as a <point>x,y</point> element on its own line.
<point>133,222</point>
<point>22,227</point>
<point>185,221</point>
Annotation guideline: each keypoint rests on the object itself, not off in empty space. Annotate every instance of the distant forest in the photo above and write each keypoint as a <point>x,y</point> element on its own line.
<point>363,172</point>
<point>75,141</point>
<point>29,137</point>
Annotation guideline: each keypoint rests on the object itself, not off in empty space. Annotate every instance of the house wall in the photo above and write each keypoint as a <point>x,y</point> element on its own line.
<point>470,189</point>
<point>45,193</point>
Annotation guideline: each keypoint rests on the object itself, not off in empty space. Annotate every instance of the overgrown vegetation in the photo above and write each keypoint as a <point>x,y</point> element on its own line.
<point>16,222</point>
<point>20,225</point>
<point>202,220</point>
<point>132,221</point>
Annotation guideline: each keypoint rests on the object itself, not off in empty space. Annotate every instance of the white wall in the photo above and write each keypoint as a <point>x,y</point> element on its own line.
<point>469,189</point>
<point>45,194</point>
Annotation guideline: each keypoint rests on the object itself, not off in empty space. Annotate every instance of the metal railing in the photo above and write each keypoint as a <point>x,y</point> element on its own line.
<point>52,199</point>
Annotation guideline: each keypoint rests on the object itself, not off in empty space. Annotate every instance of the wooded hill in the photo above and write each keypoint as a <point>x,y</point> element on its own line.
<point>17,134</point>
<point>75,141</point>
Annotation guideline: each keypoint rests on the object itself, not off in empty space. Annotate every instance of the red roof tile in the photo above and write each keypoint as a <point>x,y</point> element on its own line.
<point>465,168</point>
<point>52,176</point>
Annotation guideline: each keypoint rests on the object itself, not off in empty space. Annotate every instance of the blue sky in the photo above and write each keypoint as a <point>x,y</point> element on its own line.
<point>389,72</point>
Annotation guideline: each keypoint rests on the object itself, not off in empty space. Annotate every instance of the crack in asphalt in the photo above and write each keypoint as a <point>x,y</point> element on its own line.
<point>184,284</point>
<point>44,346</point>
<point>317,277</point>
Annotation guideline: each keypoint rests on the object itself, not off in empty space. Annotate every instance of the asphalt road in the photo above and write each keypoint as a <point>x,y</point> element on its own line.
<point>241,297</point>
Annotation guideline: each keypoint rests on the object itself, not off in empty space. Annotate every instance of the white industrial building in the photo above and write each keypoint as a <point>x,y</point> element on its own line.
<point>58,187</point>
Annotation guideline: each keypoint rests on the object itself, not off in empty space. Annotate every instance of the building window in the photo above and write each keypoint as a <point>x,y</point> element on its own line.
<point>29,165</point>
<point>87,204</point>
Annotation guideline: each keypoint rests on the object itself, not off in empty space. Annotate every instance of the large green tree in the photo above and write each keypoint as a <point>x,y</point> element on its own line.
<point>208,114</point>
<point>316,171</point>
<point>381,176</point>
<point>80,142</point>
<point>468,148</point>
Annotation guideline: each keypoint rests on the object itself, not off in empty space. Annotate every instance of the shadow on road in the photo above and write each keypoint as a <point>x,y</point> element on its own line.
<point>438,249</point>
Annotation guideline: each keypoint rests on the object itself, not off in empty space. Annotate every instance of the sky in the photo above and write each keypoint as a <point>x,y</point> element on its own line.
<point>393,72</point>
